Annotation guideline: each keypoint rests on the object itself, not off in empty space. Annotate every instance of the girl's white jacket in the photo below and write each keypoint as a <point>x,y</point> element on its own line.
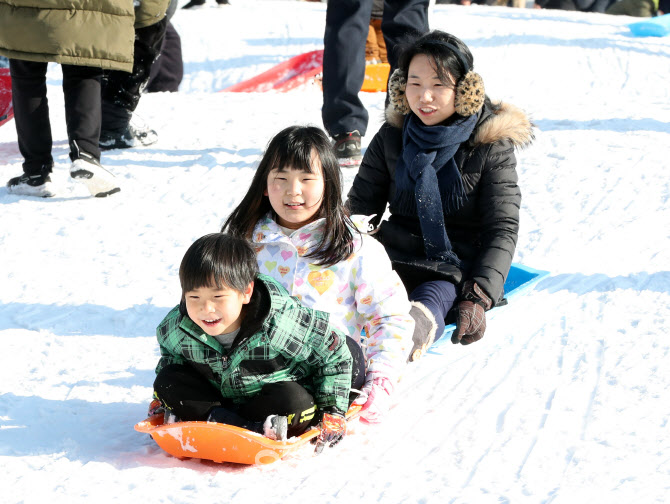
<point>364,296</point>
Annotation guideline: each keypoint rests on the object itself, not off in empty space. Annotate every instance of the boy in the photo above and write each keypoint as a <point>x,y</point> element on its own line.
<point>239,350</point>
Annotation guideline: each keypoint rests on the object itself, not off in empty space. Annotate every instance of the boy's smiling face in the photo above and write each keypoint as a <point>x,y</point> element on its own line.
<point>217,311</point>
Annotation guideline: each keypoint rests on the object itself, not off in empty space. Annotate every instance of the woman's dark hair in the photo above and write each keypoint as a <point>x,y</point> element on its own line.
<point>292,149</point>
<point>442,48</point>
<point>219,259</point>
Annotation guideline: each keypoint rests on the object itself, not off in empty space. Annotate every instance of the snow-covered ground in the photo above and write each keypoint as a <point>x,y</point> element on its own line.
<point>565,400</point>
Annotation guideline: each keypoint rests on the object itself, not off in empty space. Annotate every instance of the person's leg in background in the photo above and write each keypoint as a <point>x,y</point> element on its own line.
<point>402,19</point>
<point>344,116</point>
<point>83,116</point>
<point>31,116</point>
<point>83,113</point>
<point>167,71</point>
<point>121,92</point>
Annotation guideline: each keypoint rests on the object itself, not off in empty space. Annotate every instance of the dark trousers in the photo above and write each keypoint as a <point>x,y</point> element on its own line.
<point>121,91</point>
<point>167,71</point>
<point>347,25</point>
<point>439,297</point>
<point>81,89</point>
<point>192,397</point>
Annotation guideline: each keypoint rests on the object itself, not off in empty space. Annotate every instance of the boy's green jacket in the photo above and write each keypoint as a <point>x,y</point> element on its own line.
<point>280,340</point>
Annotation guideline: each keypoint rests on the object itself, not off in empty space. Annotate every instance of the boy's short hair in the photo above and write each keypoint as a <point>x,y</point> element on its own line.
<point>219,259</point>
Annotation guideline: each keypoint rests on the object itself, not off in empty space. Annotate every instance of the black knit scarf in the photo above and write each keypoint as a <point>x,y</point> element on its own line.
<point>428,182</point>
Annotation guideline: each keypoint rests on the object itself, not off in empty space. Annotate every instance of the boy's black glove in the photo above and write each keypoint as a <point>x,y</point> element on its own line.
<point>471,320</point>
<point>333,428</point>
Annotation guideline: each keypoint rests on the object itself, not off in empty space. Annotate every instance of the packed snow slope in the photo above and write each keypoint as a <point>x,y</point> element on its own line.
<point>565,400</point>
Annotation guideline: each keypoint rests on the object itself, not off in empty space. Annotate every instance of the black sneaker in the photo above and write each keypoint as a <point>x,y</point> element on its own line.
<point>134,135</point>
<point>223,2</point>
<point>32,185</point>
<point>276,427</point>
<point>194,3</point>
<point>348,148</point>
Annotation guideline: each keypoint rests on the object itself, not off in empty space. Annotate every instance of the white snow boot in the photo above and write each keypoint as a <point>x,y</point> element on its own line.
<point>98,180</point>
<point>276,427</point>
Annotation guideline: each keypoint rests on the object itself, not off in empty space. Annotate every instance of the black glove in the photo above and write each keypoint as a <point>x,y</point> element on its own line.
<point>471,320</point>
<point>333,428</point>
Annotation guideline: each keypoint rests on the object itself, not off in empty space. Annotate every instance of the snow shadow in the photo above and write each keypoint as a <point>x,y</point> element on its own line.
<point>618,125</point>
<point>579,283</point>
<point>85,431</point>
<point>278,42</point>
<point>170,158</point>
<point>584,44</point>
<point>195,67</point>
<point>86,319</point>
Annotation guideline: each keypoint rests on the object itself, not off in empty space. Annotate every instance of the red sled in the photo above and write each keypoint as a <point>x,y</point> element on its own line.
<point>304,69</point>
<point>224,443</point>
<point>288,75</point>
<point>6,110</point>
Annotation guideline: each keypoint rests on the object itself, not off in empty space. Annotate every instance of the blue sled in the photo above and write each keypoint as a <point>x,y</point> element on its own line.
<point>652,27</point>
<point>520,280</point>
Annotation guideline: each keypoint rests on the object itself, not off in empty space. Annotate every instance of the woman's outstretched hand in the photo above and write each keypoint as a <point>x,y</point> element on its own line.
<point>471,320</point>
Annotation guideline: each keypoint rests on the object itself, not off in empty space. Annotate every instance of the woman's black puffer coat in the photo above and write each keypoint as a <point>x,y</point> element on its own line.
<point>483,232</point>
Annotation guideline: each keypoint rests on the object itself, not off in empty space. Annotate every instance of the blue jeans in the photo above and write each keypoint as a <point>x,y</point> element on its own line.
<point>438,296</point>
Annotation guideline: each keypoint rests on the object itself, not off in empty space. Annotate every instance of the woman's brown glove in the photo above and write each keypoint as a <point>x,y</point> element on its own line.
<point>471,321</point>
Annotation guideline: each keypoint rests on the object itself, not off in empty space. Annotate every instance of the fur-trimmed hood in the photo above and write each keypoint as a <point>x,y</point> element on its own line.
<point>497,121</point>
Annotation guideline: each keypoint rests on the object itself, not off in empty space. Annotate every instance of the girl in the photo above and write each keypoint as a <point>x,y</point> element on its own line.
<point>444,161</point>
<point>294,216</point>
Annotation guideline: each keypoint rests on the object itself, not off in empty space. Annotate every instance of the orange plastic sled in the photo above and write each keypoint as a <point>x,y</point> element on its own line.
<point>221,442</point>
<point>6,111</point>
<point>303,69</point>
<point>376,77</point>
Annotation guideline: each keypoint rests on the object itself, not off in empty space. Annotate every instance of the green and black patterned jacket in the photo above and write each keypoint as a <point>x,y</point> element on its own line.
<point>280,340</point>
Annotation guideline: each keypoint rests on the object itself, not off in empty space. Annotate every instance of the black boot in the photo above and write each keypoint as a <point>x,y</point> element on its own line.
<point>38,184</point>
<point>194,3</point>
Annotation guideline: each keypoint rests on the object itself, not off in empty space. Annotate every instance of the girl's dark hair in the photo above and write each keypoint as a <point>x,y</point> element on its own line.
<point>292,149</point>
<point>221,259</point>
<point>439,47</point>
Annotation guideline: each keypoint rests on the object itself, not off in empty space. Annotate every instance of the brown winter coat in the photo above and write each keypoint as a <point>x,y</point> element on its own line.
<point>96,33</point>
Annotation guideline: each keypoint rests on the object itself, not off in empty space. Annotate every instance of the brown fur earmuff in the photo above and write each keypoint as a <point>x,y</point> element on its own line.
<point>396,89</point>
<point>470,93</point>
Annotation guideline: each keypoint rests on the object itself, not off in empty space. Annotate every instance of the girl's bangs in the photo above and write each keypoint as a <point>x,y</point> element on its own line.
<point>298,159</point>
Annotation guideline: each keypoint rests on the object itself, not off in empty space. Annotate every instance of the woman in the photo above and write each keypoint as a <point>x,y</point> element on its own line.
<point>444,162</point>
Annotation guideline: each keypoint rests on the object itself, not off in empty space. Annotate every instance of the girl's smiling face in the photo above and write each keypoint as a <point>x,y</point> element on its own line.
<point>429,98</point>
<point>296,195</point>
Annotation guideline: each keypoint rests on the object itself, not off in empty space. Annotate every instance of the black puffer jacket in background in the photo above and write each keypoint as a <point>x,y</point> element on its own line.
<point>483,232</point>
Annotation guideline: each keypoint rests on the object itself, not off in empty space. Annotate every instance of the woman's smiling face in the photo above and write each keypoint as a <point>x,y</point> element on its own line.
<point>429,98</point>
